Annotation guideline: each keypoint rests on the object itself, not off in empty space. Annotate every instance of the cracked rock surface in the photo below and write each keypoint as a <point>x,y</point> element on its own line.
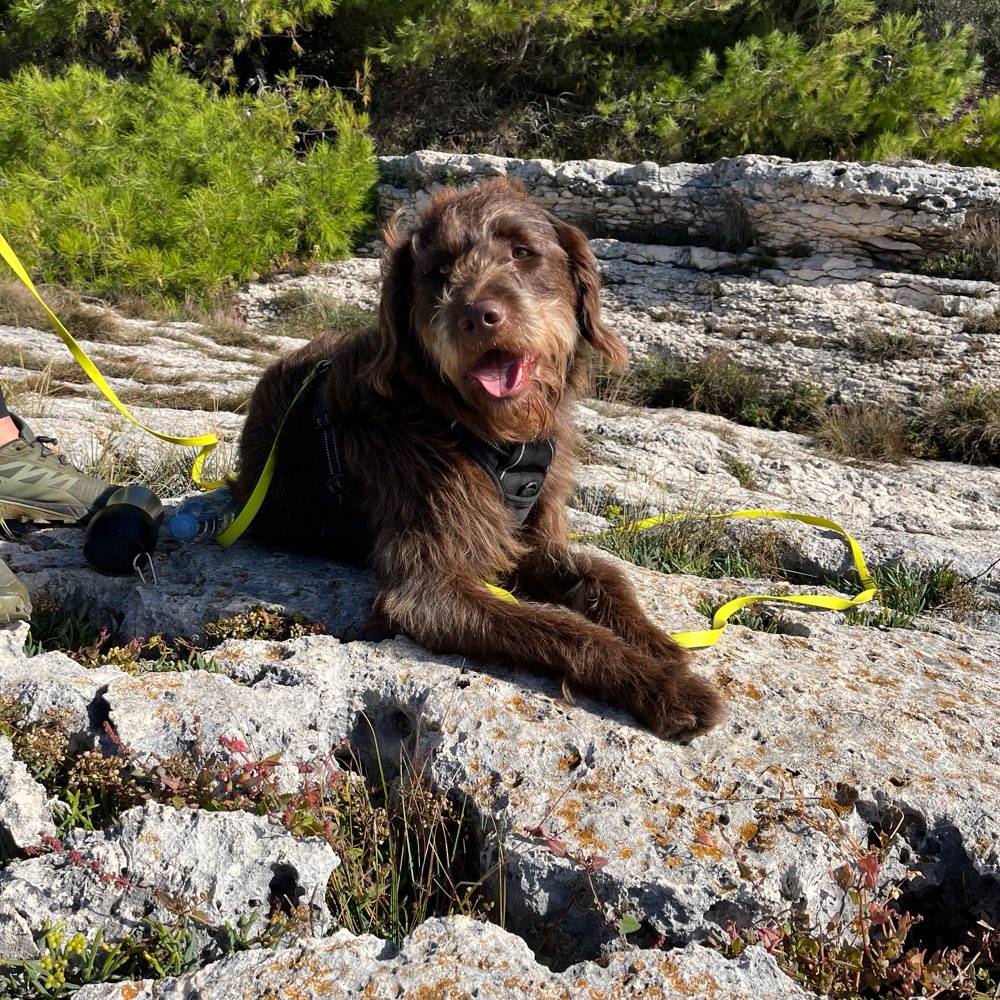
<point>459,957</point>
<point>837,734</point>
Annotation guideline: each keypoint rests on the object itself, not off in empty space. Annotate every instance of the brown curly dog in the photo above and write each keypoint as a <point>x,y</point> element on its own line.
<point>437,448</point>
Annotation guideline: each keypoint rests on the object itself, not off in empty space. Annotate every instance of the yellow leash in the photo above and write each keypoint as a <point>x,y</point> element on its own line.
<point>205,442</point>
<point>710,636</point>
<point>256,498</point>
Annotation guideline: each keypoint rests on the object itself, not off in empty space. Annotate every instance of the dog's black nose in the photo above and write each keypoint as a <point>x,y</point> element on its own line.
<point>486,315</point>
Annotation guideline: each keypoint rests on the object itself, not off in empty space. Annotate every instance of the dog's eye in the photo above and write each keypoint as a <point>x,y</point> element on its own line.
<point>444,269</point>
<point>519,253</point>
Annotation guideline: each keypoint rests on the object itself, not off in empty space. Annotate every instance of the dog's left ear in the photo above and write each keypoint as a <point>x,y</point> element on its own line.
<point>583,266</point>
<point>394,308</point>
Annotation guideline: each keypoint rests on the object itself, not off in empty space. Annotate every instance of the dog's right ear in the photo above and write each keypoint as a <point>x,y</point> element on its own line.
<point>394,308</point>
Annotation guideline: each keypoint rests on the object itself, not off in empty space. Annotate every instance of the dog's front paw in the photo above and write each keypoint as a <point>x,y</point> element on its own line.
<point>679,704</point>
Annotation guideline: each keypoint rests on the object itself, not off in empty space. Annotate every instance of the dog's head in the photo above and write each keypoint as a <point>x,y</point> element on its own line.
<point>485,305</point>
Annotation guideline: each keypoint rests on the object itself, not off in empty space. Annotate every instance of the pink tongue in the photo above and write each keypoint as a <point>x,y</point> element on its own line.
<point>499,374</point>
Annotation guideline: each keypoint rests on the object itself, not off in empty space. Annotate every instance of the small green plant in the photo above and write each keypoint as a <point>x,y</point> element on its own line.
<point>263,623</point>
<point>68,962</point>
<point>906,592</point>
<point>91,789</point>
<point>742,472</point>
<point>879,345</point>
<point>158,950</point>
<point>67,623</point>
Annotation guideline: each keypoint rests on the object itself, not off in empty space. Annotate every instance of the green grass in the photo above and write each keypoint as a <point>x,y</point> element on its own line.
<point>962,425</point>
<point>715,385</point>
<point>866,432</point>
<point>696,546</point>
<point>905,592</point>
<point>880,345</point>
<point>303,314</point>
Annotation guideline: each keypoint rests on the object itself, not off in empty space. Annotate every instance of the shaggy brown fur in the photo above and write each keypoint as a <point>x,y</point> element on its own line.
<point>487,306</point>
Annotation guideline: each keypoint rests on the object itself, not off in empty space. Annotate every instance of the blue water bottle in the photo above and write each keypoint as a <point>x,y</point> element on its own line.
<point>203,517</point>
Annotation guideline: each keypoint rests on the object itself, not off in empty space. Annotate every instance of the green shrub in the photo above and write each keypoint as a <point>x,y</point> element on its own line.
<point>166,188</point>
<point>629,79</point>
<point>208,35</point>
<point>982,15</point>
<point>676,80</point>
<point>962,425</point>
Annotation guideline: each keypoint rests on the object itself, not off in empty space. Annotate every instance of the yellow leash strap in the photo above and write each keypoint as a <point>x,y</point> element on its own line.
<point>709,636</point>
<point>250,508</point>
<point>206,442</point>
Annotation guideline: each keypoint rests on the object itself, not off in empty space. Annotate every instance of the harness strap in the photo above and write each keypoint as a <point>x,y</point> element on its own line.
<point>518,470</point>
<point>331,446</point>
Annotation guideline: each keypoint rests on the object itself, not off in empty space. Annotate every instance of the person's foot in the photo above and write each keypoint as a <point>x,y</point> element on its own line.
<point>38,485</point>
<point>15,605</point>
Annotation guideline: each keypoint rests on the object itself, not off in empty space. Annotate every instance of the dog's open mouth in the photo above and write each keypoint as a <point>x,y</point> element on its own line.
<point>501,373</point>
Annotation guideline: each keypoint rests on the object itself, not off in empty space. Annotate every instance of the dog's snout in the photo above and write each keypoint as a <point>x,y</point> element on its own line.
<point>485,316</point>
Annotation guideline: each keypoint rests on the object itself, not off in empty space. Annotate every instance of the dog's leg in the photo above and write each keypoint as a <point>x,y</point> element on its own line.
<point>587,583</point>
<point>462,616</point>
<point>599,591</point>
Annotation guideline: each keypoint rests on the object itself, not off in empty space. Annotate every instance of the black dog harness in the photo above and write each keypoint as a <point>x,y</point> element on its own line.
<point>517,470</point>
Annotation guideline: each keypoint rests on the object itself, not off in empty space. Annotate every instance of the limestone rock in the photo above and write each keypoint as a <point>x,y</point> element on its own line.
<point>226,866</point>
<point>823,207</point>
<point>459,957</point>
<point>926,513</point>
<point>25,810</point>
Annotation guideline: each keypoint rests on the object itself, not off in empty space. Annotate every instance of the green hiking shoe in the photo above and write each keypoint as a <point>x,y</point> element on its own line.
<point>15,605</point>
<point>38,485</point>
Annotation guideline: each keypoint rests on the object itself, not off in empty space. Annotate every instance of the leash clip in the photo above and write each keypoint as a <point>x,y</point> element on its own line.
<point>151,568</point>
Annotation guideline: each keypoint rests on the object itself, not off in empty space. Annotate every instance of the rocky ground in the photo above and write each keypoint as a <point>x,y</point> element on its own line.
<point>848,748</point>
